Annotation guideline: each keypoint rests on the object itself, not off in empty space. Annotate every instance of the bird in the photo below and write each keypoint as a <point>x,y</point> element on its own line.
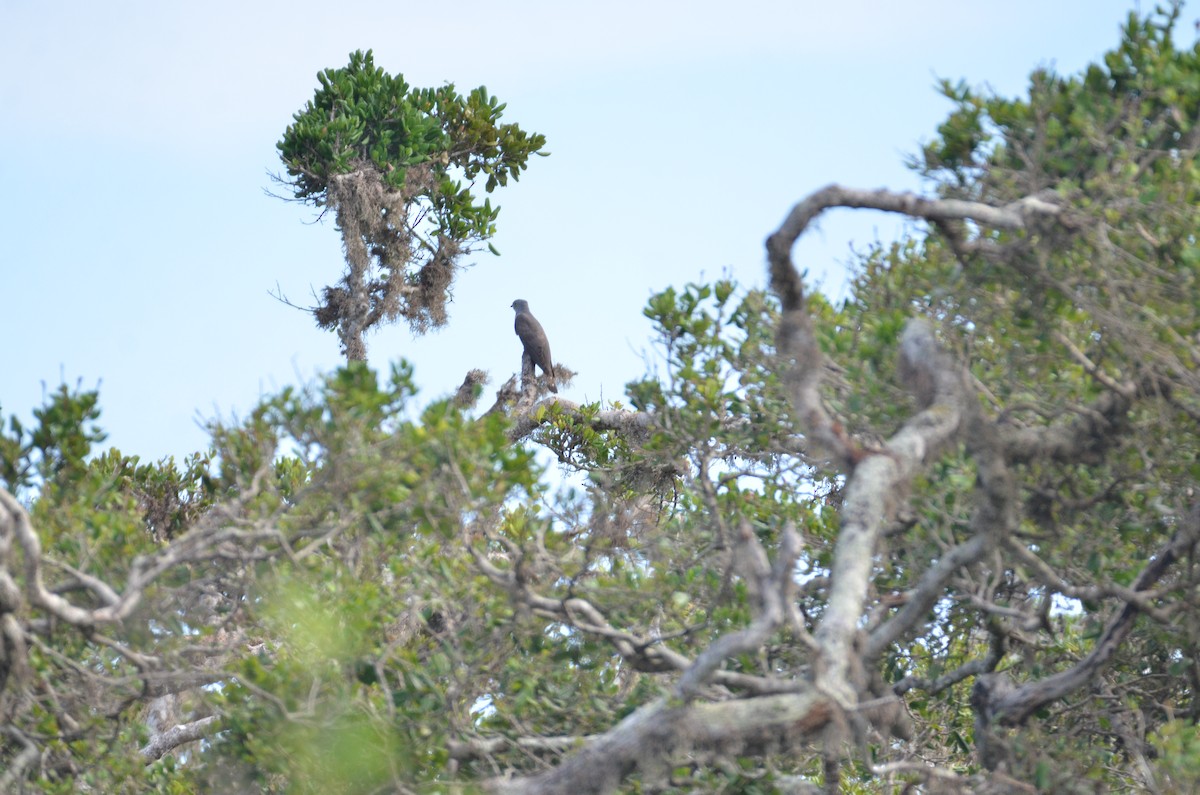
<point>533,337</point>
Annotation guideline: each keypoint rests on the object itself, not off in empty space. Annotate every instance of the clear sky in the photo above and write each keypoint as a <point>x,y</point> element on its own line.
<point>138,249</point>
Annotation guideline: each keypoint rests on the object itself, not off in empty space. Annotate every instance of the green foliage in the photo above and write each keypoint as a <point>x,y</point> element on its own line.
<point>362,115</point>
<point>1117,144</point>
<point>1178,746</point>
<point>1078,131</point>
<point>377,625</point>
<point>390,162</point>
<point>55,447</point>
<point>54,461</point>
<point>389,582</point>
<point>720,379</point>
<point>1047,320</point>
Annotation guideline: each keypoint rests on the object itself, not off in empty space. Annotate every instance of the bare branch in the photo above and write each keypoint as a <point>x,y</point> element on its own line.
<point>796,339</point>
<point>1014,216</point>
<point>871,493</point>
<point>937,383</point>
<point>646,654</point>
<point>1043,573</point>
<point>659,732</point>
<point>477,747</point>
<point>775,587</point>
<point>993,519</point>
<point>176,736</point>
<point>965,671</point>
<point>102,590</point>
<point>921,599</point>
<point>1126,390</point>
<point>14,523</point>
<point>1023,701</point>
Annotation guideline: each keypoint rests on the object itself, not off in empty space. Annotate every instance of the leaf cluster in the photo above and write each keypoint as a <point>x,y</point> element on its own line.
<point>362,116</point>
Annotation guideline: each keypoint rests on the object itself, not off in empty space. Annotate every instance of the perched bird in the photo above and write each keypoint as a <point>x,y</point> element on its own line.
<point>533,337</point>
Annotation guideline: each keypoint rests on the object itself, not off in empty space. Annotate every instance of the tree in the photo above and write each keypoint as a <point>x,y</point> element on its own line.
<point>387,160</point>
<point>939,537</point>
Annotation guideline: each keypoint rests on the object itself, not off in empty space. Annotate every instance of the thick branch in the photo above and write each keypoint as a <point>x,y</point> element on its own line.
<point>659,732</point>
<point>871,492</point>
<point>176,736</point>
<point>876,479</point>
<point>1082,439</point>
<point>1014,216</point>
<point>992,521</point>
<point>796,339</point>
<point>478,747</point>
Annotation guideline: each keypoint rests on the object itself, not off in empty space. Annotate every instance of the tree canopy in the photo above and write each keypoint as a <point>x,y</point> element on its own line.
<point>940,536</point>
<point>389,161</point>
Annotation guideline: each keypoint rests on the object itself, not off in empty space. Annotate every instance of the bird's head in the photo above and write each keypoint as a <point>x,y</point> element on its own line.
<point>520,305</point>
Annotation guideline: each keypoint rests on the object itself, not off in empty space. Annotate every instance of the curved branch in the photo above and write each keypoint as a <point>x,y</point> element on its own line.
<point>1016,706</point>
<point>774,586</point>
<point>921,599</point>
<point>796,338</point>
<point>1081,439</point>
<point>1014,216</point>
<point>937,383</point>
<point>663,730</point>
<point>871,492</point>
<point>179,735</point>
<point>14,524</point>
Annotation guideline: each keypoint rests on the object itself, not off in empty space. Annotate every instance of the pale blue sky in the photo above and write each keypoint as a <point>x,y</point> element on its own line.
<point>138,249</point>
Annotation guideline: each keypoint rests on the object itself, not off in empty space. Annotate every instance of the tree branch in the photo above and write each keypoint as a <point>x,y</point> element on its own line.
<point>775,586</point>
<point>1016,706</point>
<point>176,736</point>
<point>28,756</point>
<point>477,747</point>
<point>921,599</point>
<point>1081,439</point>
<point>1014,216</point>
<point>646,654</point>
<point>870,495</point>
<point>661,731</point>
<point>1043,573</point>
<point>633,425</point>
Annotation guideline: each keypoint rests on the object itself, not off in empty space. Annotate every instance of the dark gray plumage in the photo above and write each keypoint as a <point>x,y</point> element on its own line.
<point>533,337</point>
